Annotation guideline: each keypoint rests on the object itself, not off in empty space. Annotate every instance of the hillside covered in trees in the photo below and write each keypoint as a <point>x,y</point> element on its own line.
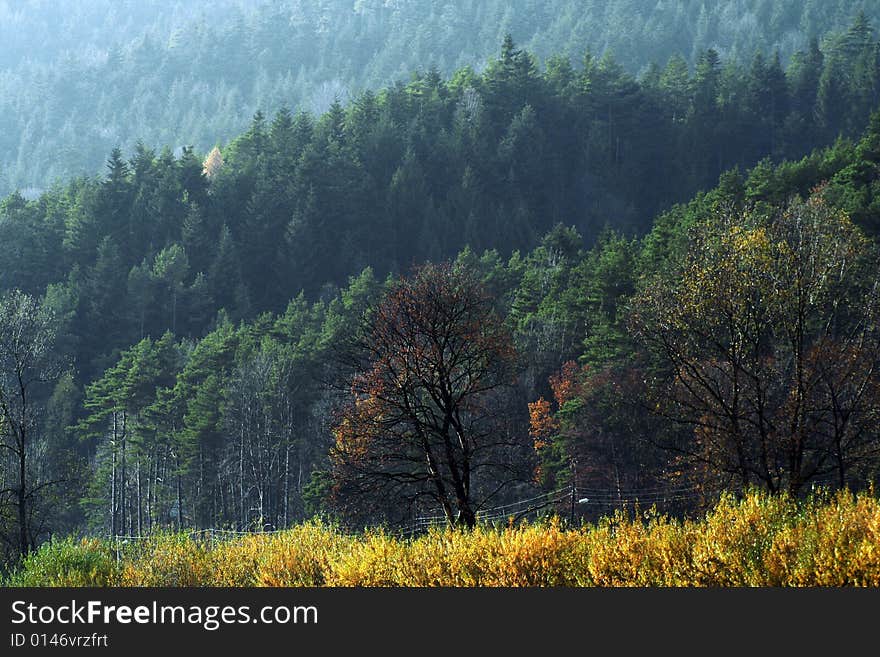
<point>549,281</point>
<point>174,73</point>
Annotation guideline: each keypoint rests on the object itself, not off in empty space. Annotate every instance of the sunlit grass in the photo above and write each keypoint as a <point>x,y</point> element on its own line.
<point>760,540</point>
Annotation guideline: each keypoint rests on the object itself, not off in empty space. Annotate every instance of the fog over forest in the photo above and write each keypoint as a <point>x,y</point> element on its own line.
<point>80,77</point>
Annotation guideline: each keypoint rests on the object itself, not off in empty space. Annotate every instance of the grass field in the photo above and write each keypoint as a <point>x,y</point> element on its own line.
<point>760,540</point>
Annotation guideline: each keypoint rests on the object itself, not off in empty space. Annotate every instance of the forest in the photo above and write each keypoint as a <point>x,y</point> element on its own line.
<point>176,73</point>
<point>547,279</point>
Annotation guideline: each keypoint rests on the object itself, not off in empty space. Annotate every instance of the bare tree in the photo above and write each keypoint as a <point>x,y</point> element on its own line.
<point>425,422</point>
<point>27,363</point>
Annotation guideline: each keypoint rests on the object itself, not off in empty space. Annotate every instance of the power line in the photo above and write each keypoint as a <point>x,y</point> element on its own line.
<point>583,496</point>
<point>589,496</point>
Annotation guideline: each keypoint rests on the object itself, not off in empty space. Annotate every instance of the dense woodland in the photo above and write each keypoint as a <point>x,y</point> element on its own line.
<point>172,73</point>
<point>657,283</point>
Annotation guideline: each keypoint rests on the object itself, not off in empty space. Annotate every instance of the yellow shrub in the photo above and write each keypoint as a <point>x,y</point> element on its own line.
<point>376,559</point>
<point>235,562</point>
<point>836,544</point>
<point>730,543</point>
<point>299,557</point>
<point>647,550</point>
<point>166,560</point>
<point>759,540</point>
<point>519,556</point>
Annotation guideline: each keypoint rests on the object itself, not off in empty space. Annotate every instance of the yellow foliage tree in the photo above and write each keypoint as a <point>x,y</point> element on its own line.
<point>213,163</point>
<point>769,336</point>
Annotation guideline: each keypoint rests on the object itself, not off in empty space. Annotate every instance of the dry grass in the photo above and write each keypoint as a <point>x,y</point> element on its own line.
<point>756,541</point>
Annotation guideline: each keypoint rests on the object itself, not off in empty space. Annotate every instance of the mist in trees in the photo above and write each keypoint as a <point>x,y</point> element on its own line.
<point>414,173</point>
<point>169,72</point>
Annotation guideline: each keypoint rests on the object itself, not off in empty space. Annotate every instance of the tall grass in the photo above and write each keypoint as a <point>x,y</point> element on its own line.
<point>760,540</point>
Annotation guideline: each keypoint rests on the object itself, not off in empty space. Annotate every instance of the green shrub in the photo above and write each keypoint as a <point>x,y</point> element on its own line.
<point>68,562</point>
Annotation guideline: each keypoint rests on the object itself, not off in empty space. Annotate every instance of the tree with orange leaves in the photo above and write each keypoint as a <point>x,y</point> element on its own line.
<point>424,422</point>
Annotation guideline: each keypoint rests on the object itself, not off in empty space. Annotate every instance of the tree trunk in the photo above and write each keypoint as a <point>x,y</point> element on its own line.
<point>151,488</point>
<point>137,469</point>
<point>241,518</point>
<point>179,495</point>
<point>24,542</point>
<point>286,504</point>
<point>123,483</point>
<point>113,490</point>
